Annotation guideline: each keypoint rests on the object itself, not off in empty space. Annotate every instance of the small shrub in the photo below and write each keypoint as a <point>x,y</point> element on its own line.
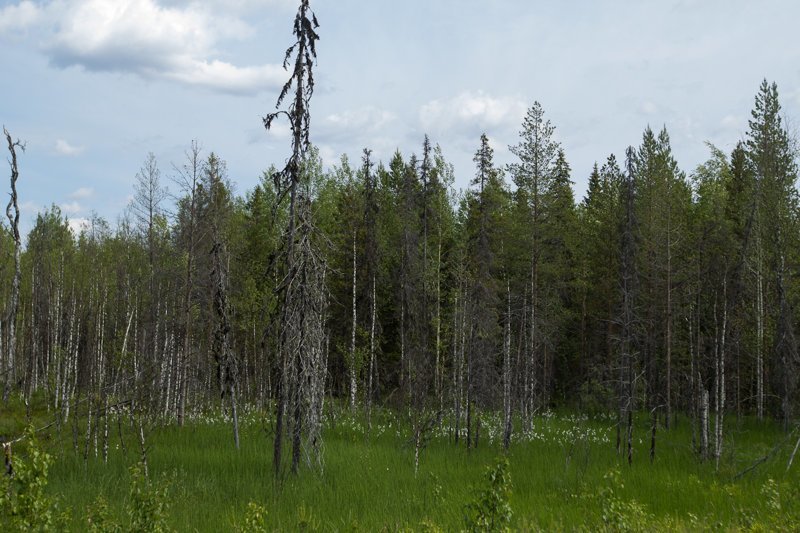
<point>255,519</point>
<point>24,504</point>
<point>306,521</point>
<point>99,518</point>
<point>429,526</point>
<point>618,514</point>
<point>147,505</point>
<point>491,510</point>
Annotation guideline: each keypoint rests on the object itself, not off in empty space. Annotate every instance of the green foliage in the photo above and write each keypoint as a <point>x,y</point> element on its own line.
<point>99,518</point>
<point>306,521</point>
<point>147,504</point>
<point>24,502</point>
<point>255,519</point>
<point>619,514</point>
<point>780,512</point>
<point>491,510</point>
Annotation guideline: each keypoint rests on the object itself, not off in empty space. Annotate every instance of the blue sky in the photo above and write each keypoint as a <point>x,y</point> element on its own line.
<point>94,85</point>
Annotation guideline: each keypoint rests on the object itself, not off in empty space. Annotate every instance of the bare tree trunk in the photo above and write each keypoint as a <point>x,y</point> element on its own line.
<point>533,348</point>
<point>704,416</point>
<point>457,366</point>
<point>12,212</point>
<point>372,324</point>
<point>628,275</point>
<point>759,333</point>
<point>693,386</point>
<point>188,179</point>
<point>438,376</point>
<point>507,372</point>
<point>668,319</point>
<point>353,358</point>
<point>105,432</point>
<point>142,446</point>
<point>720,380</point>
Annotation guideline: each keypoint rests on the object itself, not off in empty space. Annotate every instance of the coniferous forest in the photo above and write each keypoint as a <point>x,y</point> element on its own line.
<point>351,347</point>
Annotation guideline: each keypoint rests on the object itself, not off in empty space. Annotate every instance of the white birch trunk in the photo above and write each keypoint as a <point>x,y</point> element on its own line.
<point>507,372</point>
<point>353,362</point>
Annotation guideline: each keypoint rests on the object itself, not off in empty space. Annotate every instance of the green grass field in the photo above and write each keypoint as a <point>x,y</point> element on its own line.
<point>562,477</point>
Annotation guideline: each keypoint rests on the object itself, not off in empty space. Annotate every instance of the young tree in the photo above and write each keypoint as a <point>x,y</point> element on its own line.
<point>483,292</point>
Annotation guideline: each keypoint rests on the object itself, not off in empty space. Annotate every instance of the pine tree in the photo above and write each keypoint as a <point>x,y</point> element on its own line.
<point>532,174</point>
<point>776,172</point>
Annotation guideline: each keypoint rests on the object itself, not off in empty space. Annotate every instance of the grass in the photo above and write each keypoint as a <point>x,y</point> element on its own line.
<point>560,475</point>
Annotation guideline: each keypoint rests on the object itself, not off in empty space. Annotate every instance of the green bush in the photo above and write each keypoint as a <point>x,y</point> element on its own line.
<point>255,519</point>
<point>99,518</point>
<point>491,510</point>
<point>147,505</point>
<point>618,514</point>
<point>24,504</point>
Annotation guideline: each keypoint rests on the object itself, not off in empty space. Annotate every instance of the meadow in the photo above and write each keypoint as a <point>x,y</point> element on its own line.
<point>564,475</point>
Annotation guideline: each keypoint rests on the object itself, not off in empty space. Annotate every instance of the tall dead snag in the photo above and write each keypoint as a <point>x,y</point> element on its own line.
<point>219,284</point>
<point>627,338</point>
<point>12,212</point>
<point>305,339</point>
<point>301,280</point>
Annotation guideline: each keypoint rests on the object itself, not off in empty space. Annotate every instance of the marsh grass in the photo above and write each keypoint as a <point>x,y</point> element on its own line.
<point>560,475</point>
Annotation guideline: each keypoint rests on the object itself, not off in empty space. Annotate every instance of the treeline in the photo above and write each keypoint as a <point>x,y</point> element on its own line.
<point>658,292</point>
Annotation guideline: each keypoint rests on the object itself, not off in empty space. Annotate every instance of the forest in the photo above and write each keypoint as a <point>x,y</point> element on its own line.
<point>624,361</point>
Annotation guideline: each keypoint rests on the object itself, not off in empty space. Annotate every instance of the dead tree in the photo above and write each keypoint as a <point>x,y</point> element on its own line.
<point>188,180</point>
<point>287,182</point>
<point>219,283</point>
<point>12,212</point>
<point>627,340</point>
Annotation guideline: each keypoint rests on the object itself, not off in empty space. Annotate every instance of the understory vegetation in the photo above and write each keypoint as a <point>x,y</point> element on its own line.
<point>197,481</point>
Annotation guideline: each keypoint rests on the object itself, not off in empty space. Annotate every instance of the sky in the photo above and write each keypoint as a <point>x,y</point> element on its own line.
<point>93,86</point>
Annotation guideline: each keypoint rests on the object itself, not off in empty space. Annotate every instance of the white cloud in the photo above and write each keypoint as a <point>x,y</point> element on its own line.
<point>476,111</point>
<point>19,17</point>
<point>366,118</point>
<point>225,77</point>
<point>71,208</point>
<point>648,108</point>
<point>65,148</point>
<point>79,225</point>
<point>732,121</point>
<point>81,193</point>
<point>146,38</point>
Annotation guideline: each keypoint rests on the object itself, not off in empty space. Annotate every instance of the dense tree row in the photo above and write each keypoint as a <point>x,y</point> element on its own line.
<point>381,284</point>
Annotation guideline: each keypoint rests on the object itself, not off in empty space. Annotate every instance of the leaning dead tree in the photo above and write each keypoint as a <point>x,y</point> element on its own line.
<point>12,212</point>
<point>301,338</point>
